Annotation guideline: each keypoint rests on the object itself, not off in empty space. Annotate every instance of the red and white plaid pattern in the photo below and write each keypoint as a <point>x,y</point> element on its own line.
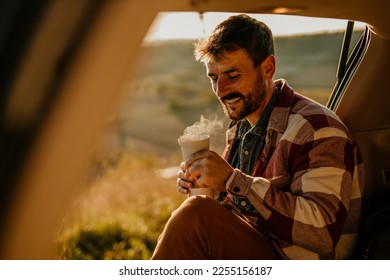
<point>308,183</point>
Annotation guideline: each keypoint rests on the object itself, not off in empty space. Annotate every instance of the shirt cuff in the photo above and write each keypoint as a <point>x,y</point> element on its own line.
<point>239,184</point>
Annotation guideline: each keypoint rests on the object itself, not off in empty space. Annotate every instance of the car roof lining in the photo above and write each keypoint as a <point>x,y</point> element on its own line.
<point>375,14</point>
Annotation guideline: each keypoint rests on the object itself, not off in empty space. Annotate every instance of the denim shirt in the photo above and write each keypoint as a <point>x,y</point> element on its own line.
<point>250,143</point>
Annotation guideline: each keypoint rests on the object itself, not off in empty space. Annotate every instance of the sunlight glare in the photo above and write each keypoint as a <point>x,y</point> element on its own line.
<point>190,25</point>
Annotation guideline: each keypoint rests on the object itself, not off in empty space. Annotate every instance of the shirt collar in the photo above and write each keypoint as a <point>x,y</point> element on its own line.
<point>260,127</point>
<point>279,118</point>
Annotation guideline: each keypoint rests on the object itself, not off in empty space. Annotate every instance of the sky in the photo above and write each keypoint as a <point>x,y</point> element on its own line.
<point>188,25</point>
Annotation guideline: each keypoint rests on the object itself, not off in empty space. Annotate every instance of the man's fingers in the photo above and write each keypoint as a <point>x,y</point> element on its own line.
<point>194,157</point>
<point>183,190</point>
<point>185,184</point>
<point>185,175</point>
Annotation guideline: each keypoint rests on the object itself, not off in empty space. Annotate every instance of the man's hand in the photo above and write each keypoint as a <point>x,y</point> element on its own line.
<point>184,180</point>
<point>206,169</point>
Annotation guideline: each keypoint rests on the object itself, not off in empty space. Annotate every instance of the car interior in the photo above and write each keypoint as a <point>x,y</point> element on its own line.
<point>64,64</point>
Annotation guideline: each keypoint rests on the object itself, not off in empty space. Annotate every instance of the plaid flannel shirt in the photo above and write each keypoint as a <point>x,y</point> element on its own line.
<point>308,182</point>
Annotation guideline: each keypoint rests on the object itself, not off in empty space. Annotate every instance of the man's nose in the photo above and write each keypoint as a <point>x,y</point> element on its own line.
<point>221,87</point>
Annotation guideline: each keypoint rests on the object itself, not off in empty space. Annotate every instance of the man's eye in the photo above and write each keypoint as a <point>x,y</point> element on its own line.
<point>233,76</point>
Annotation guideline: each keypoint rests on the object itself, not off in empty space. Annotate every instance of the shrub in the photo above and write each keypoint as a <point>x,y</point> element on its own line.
<point>120,214</point>
<point>105,241</point>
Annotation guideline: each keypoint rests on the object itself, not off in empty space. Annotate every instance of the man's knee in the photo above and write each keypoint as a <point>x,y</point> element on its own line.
<point>195,207</point>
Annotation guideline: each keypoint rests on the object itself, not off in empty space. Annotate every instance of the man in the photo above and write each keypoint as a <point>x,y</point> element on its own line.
<point>290,181</point>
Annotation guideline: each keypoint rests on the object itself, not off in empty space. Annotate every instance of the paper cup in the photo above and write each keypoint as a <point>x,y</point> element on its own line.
<point>191,144</point>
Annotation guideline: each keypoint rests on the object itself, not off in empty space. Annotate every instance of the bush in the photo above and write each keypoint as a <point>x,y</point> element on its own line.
<point>106,241</point>
<point>120,214</point>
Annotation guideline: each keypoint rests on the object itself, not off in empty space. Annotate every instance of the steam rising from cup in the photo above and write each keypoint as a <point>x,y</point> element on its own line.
<point>204,127</point>
<point>197,138</point>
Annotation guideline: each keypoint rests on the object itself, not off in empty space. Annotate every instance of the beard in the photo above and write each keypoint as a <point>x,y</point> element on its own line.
<point>249,103</point>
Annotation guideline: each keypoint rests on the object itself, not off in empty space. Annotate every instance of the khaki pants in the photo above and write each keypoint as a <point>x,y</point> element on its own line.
<point>201,228</point>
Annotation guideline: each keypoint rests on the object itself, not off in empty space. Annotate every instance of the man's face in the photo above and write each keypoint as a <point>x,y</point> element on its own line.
<point>238,85</point>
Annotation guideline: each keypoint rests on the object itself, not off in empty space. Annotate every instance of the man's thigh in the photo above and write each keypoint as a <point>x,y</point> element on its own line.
<point>202,228</point>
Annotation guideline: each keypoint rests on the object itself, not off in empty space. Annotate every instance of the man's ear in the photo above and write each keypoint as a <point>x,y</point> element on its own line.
<point>268,67</point>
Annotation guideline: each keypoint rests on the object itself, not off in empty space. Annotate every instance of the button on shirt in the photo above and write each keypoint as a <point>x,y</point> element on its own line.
<point>251,141</point>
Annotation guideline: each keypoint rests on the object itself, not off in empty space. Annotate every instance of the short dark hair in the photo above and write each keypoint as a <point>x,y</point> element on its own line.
<point>237,32</point>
